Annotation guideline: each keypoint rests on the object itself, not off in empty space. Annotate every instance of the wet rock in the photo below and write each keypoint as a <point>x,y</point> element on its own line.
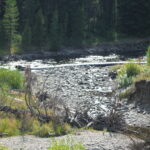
<point>113,74</point>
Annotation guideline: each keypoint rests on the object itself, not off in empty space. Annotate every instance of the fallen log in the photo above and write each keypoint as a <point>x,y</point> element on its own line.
<point>103,64</point>
<point>16,112</point>
<point>21,113</point>
<point>3,134</point>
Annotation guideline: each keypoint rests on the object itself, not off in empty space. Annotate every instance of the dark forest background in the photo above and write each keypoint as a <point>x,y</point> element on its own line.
<point>49,25</point>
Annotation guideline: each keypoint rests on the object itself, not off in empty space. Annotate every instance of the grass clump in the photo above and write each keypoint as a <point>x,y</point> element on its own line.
<point>45,130</point>
<point>127,73</point>
<point>9,126</point>
<point>66,145</point>
<point>61,129</point>
<point>29,125</point>
<point>11,78</point>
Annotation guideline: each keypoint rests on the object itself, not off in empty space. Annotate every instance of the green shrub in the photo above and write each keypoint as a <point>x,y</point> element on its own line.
<point>65,145</point>
<point>9,126</point>
<point>50,129</point>
<point>148,55</point>
<point>127,73</point>
<point>132,69</point>
<point>13,79</point>
<point>44,130</point>
<point>125,81</point>
<point>61,129</point>
<point>26,124</point>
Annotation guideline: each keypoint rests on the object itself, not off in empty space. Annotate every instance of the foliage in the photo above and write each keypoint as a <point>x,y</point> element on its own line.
<point>10,23</point>
<point>50,25</point>
<point>49,129</point>
<point>61,129</point>
<point>65,145</point>
<point>148,56</point>
<point>124,80</point>
<point>9,126</point>
<point>55,37</point>
<point>11,79</point>
<point>131,69</point>
<point>145,75</point>
<point>127,73</point>
<point>45,130</point>
<point>3,147</point>
<point>131,15</point>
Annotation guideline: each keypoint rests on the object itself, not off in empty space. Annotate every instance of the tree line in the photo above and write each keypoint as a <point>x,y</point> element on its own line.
<point>49,25</point>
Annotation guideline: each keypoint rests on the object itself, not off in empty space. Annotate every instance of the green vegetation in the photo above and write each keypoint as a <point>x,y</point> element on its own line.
<point>3,147</point>
<point>18,117</point>
<point>10,24</point>
<point>11,79</point>
<point>148,56</point>
<point>9,126</point>
<point>37,25</point>
<point>127,73</point>
<point>66,145</point>
<point>133,72</point>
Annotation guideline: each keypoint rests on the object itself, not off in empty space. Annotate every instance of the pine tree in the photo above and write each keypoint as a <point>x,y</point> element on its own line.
<point>38,31</point>
<point>55,35</point>
<point>10,22</point>
<point>134,18</point>
<point>76,26</point>
<point>106,20</point>
<point>26,38</point>
<point>33,35</point>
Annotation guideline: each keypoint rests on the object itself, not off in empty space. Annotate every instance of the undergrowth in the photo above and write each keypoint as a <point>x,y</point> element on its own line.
<point>133,72</point>
<point>10,126</point>
<point>127,73</point>
<point>11,79</point>
<point>66,145</point>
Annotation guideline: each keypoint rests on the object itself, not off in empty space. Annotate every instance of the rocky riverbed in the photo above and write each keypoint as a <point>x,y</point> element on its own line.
<point>91,140</point>
<point>81,87</point>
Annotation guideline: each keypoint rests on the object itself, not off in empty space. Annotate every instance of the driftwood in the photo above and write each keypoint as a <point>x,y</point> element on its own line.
<point>21,113</point>
<point>102,64</point>
<point>16,112</point>
<point>3,134</point>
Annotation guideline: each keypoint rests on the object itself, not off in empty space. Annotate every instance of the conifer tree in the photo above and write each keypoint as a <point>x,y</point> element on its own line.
<point>38,30</point>
<point>55,35</point>
<point>10,23</point>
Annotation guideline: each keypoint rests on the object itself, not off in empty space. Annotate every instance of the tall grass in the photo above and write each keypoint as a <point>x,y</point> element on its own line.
<point>13,79</point>
<point>127,73</point>
<point>66,145</point>
<point>9,126</point>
